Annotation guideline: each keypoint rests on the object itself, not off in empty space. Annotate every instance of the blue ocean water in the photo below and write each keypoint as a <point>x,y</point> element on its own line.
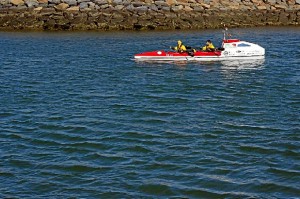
<point>79,118</point>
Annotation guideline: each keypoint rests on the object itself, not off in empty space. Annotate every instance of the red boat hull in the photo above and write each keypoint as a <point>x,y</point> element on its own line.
<point>163,55</point>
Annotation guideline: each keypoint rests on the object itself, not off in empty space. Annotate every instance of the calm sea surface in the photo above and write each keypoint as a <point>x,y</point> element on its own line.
<point>79,118</point>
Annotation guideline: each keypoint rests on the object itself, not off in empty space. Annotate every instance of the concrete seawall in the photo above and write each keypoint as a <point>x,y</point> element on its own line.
<point>144,14</point>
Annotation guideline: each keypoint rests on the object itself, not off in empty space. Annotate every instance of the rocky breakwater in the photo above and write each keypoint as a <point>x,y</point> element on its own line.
<point>145,14</point>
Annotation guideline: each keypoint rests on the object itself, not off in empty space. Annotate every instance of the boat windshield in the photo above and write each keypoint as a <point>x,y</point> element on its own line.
<point>230,45</point>
<point>243,45</point>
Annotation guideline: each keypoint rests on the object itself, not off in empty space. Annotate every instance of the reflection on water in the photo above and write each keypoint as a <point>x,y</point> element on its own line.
<point>242,64</point>
<point>251,64</point>
<point>232,68</point>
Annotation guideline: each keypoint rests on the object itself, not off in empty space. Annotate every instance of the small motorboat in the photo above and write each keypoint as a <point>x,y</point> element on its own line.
<point>231,49</point>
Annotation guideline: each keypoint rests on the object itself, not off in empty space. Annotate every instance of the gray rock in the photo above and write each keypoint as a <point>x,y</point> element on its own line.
<point>70,2</point>
<point>20,8</point>
<point>31,3</point>
<point>101,2</point>
<point>271,1</point>
<point>130,7</point>
<point>86,9</point>
<point>223,9</point>
<point>54,1</point>
<point>80,1</point>
<point>51,5</point>
<point>166,8</point>
<point>198,8</point>
<point>119,7</point>
<point>4,2</point>
<point>141,8</point>
<point>83,5</point>
<point>47,11</point>
<point>117,2</point>
<point>116,20</point>
<point>43,5</point>
<point>153,7</point>
<point>126,2</point>
<point>117,16</point>
<point>106,14</point>
<point>161,3</point>
<point>104,6</point>
<point>91,5</point>
<point>8,5</point>
<point>93,14</point>
<point>137,4</point>
<point>177,8</point>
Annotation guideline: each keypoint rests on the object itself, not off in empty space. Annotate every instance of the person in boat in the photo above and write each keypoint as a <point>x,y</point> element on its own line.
<point>180,47</point>
<point>209,47</point>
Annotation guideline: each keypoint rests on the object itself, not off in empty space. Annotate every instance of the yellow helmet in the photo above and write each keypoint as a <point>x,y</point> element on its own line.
<point>179,42</point>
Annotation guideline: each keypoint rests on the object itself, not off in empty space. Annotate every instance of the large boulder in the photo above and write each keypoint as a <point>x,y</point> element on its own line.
<point>170,2</point>
<point>187,8</point>
<point>61,6</point>
<point>271,1</point>
<point>206,6</point>
<point>142,9</point>
<point>119,7</point>
<point>4,2</point>
<point>70,2</point>
<point>149,2</point>
<point>100,2</point>
<point>31,3</point>
<point>54,1</point>
<point>177,8</point>
<point>153,7</point>
<point>83,5</point>
<point>161,3</point>
<point>38,9</point>
<point>262,7</point>
<point>73,8</point>
<point>80,1</point>
<point>281,6</point>
<point>17,2</point>
<point>117,2</point>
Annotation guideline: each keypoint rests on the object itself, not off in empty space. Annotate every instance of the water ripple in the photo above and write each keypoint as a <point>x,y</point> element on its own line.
<point>80,122</point>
